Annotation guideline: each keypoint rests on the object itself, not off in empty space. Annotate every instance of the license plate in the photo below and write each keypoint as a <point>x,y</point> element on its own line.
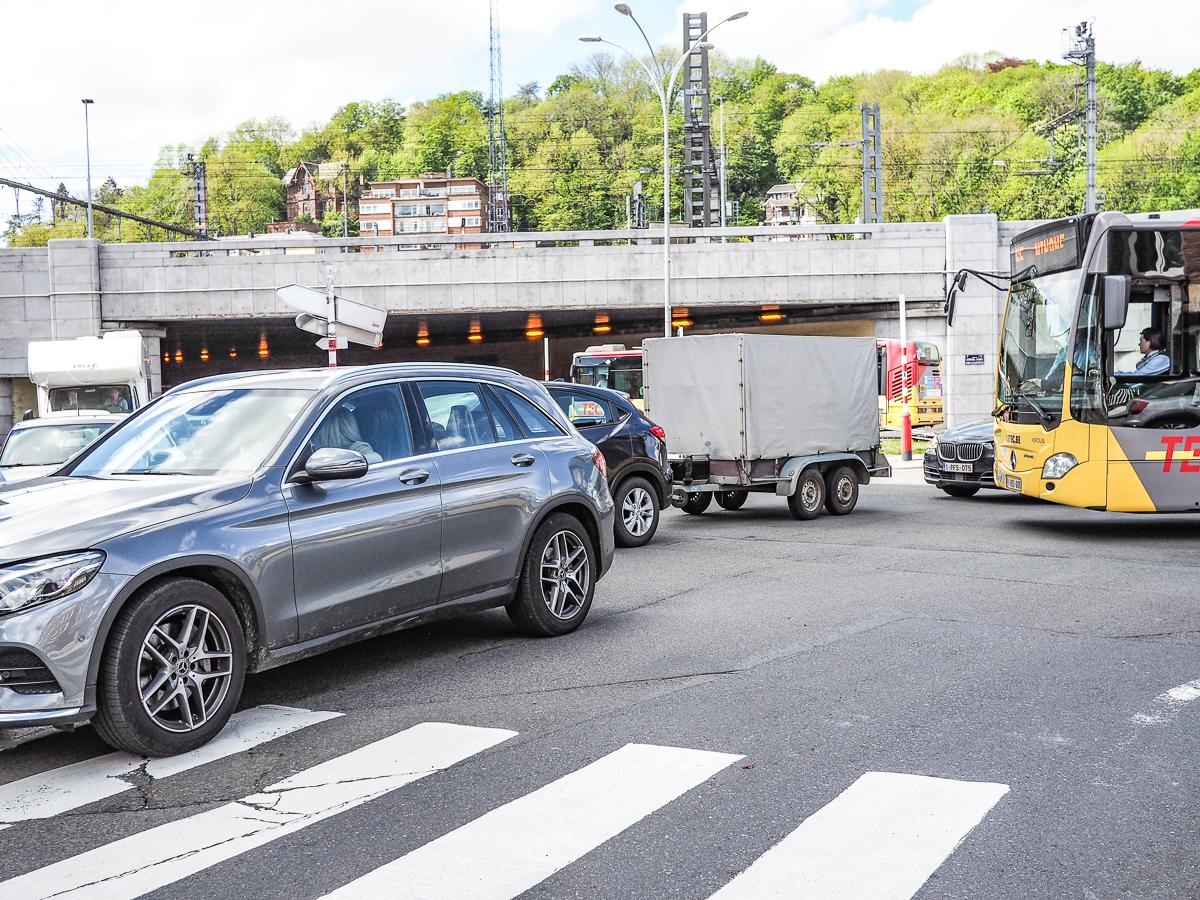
<point>962,468</point>
<point>1013,484</point>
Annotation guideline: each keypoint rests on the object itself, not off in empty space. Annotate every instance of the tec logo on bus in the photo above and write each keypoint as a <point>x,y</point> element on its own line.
<point>1181,449</point>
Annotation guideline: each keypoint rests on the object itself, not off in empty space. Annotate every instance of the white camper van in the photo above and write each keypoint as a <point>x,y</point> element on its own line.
<point>104,374</point>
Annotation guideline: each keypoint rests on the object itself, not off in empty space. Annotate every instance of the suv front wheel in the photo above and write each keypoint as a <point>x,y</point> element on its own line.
<point>558,579</point>
<point>172,671</point>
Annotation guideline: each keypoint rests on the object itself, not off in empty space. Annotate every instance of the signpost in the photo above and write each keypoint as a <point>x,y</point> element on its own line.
<point>337,320</point>
<point>906,417</point>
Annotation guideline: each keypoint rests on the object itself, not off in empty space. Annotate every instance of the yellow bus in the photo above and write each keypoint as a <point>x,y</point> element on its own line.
<point>1098,373</point>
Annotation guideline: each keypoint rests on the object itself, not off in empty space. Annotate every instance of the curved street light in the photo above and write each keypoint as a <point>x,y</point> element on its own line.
<point>665,92</point>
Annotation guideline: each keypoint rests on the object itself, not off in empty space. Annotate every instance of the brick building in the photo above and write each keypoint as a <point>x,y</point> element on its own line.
<point>431,203</point>
<point>312,189</point>
<point>785,206</point>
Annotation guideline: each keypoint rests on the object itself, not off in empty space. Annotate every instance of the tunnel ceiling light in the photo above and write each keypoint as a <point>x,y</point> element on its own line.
<point>533,327</point>
<point>233,352</point>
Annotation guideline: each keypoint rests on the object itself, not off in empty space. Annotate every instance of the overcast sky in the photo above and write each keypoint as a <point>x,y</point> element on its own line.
<point>165,73</point>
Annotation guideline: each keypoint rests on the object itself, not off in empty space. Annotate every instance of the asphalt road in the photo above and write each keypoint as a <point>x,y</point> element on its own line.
<point>981,698</point>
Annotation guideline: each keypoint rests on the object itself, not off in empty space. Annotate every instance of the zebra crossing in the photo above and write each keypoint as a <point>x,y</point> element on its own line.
<point>882,837</point>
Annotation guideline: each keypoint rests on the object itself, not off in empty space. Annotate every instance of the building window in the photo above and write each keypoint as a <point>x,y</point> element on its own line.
<point>463,204</point>
<point>406,209</point>
<point>464,189</point>
<point>373,208</point>
<point>408,193</point>
<point>383,193</point>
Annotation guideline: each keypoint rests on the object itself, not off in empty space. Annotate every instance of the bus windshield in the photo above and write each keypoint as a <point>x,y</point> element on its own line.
<point>1033,346</point>
<point>616,373</point>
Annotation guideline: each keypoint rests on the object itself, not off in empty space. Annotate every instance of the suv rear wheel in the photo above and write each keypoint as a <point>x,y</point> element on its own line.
<point>558,579</point>
<point>173,670</point>
<point>637,512</point>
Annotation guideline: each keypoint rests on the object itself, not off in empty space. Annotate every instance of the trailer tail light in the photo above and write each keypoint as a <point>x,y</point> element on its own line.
<point>1137,406</point>
<point>598,459</point>
<point>658,432</point>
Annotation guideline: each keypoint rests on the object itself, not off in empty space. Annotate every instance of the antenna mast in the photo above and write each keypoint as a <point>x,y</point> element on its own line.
<point>498,212</point>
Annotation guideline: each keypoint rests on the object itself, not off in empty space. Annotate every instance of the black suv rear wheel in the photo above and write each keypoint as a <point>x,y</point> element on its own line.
<point>637,512</point>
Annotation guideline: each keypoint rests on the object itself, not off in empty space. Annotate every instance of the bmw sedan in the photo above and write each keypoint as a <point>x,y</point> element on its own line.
<point>960,461</point>
<point>244,521</point>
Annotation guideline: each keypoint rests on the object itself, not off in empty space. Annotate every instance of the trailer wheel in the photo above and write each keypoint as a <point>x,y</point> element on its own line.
<point>697,503</point>
<point>841,491</point>
<point>809,497</point>
<point>732,500</point>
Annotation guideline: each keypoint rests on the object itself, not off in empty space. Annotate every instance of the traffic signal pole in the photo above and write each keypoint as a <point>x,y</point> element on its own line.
<point>331,315</point>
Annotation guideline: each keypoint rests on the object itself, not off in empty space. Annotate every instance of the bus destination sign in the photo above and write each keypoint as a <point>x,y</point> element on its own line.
<point>1054,248</point>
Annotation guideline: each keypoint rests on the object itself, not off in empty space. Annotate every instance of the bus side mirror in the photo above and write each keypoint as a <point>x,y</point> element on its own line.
<point>957,284</point>
<point>1116,301</point>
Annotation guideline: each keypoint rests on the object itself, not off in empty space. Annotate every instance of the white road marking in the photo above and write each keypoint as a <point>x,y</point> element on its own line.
<point>1168,704</point>
<point>880,839</point>
<point>518,845</point>
<point>162,855</point>
<point>69,787</point>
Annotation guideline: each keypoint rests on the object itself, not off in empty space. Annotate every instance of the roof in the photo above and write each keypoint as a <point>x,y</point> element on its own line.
<point>784,189</point>
<point>316,379</point>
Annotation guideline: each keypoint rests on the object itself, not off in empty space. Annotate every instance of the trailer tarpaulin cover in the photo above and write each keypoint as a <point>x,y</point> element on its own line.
<point>761,396</point>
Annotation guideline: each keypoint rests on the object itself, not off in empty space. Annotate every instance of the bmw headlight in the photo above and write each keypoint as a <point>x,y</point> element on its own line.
<point>35,581</point>
<point>1059,465</point>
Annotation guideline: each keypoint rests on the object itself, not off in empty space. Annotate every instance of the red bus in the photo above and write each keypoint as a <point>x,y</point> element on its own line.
<point>924,383</point>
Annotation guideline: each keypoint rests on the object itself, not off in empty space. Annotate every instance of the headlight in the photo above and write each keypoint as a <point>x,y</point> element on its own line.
<point>36,581</point>
<point>1059,465</point>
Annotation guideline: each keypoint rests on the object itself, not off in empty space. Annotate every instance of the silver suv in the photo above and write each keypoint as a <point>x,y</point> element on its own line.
<point>244,521</point>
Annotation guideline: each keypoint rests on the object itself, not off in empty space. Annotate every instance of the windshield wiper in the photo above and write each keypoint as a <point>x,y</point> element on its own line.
<point>150,472</point>
<point>1038,411</point>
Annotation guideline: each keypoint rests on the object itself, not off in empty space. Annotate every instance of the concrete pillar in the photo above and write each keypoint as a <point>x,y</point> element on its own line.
<point>6,407</point>
<point>74,268</point>
<point>970,368</point>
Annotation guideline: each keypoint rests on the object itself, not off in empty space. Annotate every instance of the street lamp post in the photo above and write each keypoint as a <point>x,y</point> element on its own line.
<point>658,76</point>
<point>87,144</point>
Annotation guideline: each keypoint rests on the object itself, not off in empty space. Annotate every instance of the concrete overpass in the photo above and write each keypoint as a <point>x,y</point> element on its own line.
<point>192,294</point>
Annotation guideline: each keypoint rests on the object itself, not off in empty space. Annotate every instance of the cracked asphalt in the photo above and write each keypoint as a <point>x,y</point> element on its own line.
<point>993,639</point>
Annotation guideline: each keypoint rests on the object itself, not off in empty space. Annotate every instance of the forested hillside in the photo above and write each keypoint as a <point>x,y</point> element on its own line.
<point>965,139</point>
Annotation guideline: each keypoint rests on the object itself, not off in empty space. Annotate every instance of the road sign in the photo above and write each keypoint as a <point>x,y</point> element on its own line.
<point>320,325</point>
<point>349,312</point>
<point>337,343</point>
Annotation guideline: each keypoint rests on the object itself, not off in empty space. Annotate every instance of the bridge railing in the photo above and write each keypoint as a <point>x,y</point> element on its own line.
<point>305,244</point>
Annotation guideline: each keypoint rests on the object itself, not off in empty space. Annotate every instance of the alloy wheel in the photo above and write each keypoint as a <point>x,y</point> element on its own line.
<point>184,668</point>
<point>566,574</point>
<point>637,511</point>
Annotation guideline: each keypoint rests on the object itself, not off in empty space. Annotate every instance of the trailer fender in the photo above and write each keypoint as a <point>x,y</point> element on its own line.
<point>789,475</point>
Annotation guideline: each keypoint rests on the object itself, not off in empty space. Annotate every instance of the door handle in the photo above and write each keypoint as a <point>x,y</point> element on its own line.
<point>523,459</point>
<point>414,476</point>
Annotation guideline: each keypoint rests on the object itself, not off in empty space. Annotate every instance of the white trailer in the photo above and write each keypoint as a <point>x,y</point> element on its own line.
<point>790,415</point>
<point>106,374</point>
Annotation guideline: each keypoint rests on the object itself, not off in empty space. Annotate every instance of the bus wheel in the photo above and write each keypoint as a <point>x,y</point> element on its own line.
<point>697,503</point>
<point>806,502</point>
<point>841,491</point>
<point>961,490</point>
<point>732,500</point>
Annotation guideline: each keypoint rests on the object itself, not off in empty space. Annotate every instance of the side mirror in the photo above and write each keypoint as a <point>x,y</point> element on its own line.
<point>332,464</point>
<point>957,284</point>
<point>27,416</point>
<point>1116,300</point>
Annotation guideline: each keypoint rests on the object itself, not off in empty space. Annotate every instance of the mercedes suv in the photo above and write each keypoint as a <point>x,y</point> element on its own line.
<point>244,521</point>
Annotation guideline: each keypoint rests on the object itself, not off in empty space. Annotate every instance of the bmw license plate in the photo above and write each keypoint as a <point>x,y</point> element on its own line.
<point>1013,484</point>
<point>961,468</point>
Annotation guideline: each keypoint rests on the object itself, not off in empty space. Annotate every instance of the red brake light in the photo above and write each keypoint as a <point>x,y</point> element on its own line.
<point>1137,406</point>
<point>658,432</point>
<point>598,459</point>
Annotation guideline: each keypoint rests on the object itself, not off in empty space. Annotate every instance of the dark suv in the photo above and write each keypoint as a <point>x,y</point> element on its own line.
<point>635,450</point>
<point>960,459</point>
<point>244,521</point>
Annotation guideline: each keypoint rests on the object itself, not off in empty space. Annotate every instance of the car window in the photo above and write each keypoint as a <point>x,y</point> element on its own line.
<point>371,421</point>
<point>48,445</point>
<point>506,426</point>
<point>457,414</point>
<point>584,409</point>
<point>537,423</point>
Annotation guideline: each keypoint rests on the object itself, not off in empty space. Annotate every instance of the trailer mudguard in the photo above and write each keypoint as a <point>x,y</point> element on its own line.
<point>789,475</point>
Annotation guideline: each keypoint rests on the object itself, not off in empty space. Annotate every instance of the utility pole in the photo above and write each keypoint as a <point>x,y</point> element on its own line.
<point>724,201</point>
<point>1082,50</point>
<point>87,143</point>
<point>199,195</point>
<point>701,180</point>
<point>345,200</point>
<point>872,165</point>
<point>331,313</point>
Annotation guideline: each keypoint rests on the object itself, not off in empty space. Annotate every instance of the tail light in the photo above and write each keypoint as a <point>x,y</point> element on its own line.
<point>658,432</point>
<point>1137,406</point>
<point>598,459</point>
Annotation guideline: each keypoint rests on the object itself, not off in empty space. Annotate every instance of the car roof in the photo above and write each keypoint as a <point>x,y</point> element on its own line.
<point>316,379</point>
<point>586,388</point>
<point>47,421</point>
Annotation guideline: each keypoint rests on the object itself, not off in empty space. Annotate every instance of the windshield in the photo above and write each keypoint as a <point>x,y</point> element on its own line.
<point>48,445</point>
<point>616,374</point>
<point>198,433</point>
<point>113,398</point>
<point>1033,348</point>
